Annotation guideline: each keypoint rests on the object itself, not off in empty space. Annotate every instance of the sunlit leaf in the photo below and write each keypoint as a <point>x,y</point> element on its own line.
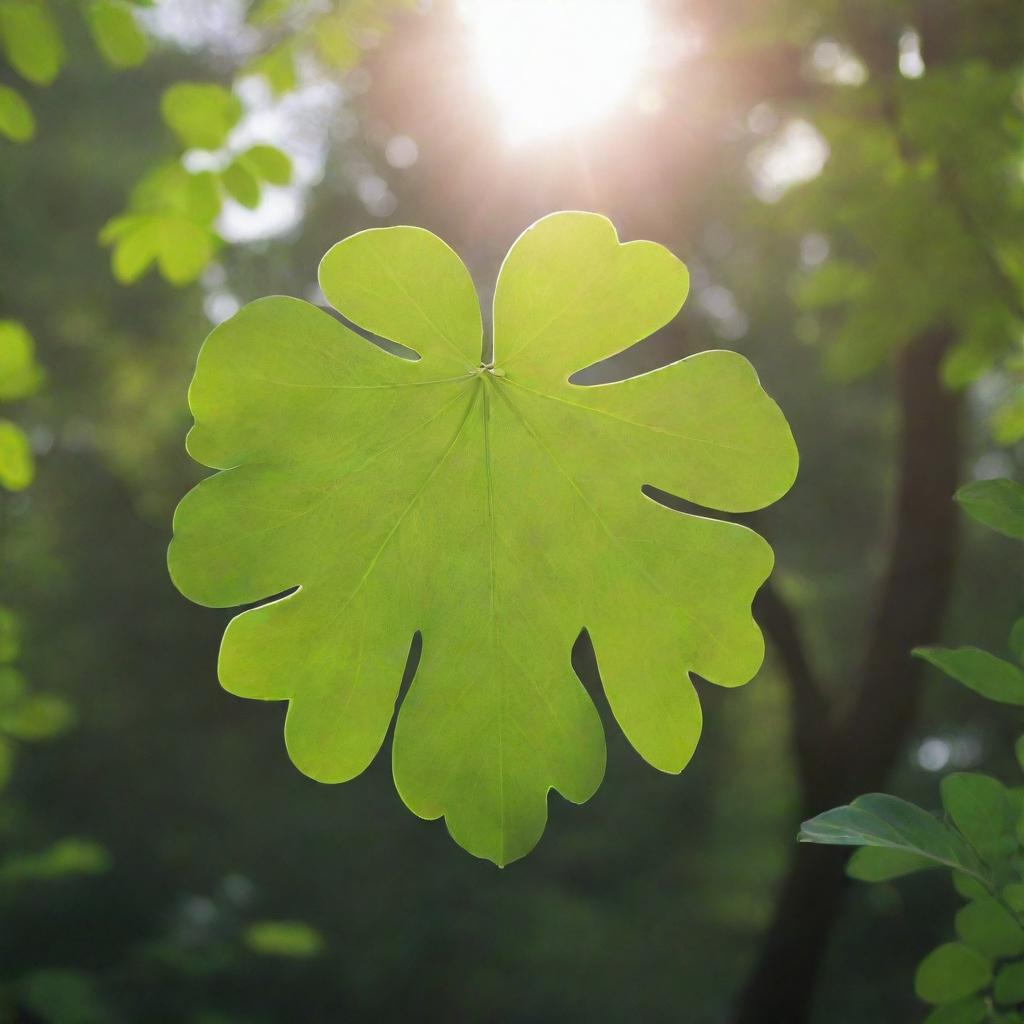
<point>881,864</point>
<point>497,510</point>
<point>171,188</point>
<point>1008,419</point>
<point>996,503</point>
<point>20,374</point>
<point>283,938</point>
<point>179,247</point>
<point>267,163</point>
<point>278,67</point>
<point>31,40</point>
<point>201,114</point>
<point>67,857</point>
<point>16,120</point>
<point>951,972</point>
<point>17,466</point>
<point>116,32</point>
<point>878,819</point>
<point>241,184</point>
<point>988,927</point>
<point>978,670</point>
<point>184,249</point>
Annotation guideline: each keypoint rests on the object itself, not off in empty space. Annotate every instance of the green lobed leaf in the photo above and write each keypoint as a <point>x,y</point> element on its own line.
<point>951,972</point>
<point>978,670</point>
<point>881,864</point>
<point>17,466</point>
<point>31,40</point>
<point>17,122</point>
<point>996,503</point>
<point>1008,988</point>
<point>972,1010</point>
<point>201,114</point>
<point>978,806</point>
<point>496,509</point>
<point>117,33</point>
<point>880,820</point>
<point>989,928</point>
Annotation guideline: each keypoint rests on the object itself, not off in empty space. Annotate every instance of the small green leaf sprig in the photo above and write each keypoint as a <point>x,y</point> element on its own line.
<point>979,978</point>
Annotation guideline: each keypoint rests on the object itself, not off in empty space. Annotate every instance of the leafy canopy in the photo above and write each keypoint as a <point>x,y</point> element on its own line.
<point>494,506</point>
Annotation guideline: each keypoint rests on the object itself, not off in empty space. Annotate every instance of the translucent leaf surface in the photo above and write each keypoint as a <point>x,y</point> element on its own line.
<point>267,163</point>
<point>201,114</point>
<point>496,508</point>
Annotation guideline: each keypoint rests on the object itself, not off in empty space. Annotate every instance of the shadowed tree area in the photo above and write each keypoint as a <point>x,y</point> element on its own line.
<point>844,182</point>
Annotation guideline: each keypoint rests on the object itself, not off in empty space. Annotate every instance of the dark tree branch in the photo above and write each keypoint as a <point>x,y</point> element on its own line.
<point>810,708</point>
<point>912,597</point>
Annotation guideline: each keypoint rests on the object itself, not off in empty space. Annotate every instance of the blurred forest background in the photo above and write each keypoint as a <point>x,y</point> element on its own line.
<point>845,181</point>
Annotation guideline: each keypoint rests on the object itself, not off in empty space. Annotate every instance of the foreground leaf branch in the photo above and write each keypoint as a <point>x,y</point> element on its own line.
<point>495,507</point>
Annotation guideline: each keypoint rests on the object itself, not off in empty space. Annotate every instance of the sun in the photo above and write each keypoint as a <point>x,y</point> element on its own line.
<point>552,66</point>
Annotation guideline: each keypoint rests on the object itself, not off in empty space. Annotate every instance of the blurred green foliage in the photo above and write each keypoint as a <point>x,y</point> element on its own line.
<point>650,904</point>
<point>978,978</point>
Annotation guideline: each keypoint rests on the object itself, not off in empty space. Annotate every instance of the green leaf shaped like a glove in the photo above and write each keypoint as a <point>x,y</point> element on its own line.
<point>495,508</point>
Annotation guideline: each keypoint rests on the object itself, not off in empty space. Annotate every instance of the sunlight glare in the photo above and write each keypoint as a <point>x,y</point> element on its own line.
<point>555,65</point>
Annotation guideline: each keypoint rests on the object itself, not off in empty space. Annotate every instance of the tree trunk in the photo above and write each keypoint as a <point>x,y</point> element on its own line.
<point>839,760</point>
